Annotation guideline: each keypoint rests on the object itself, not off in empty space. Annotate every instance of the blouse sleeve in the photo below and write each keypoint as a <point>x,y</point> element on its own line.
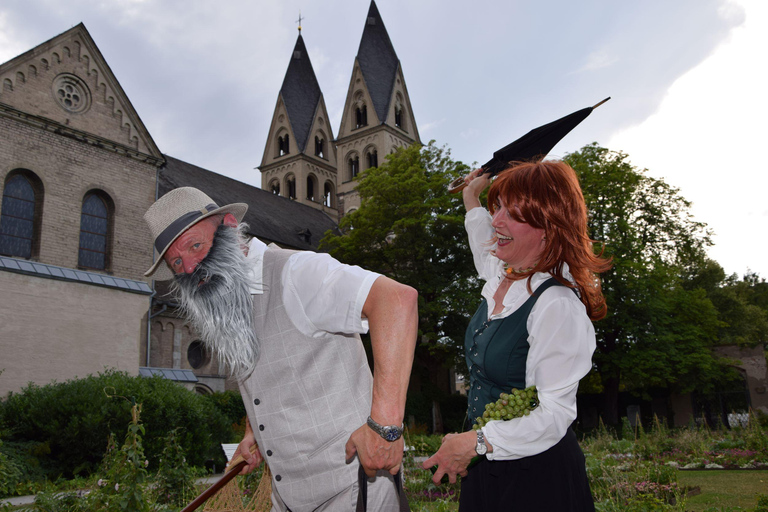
<point>562,340</point>
<point>480,231</point>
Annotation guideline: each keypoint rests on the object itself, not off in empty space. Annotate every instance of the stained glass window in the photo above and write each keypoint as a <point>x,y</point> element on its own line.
<point>94,225</point>
<point>17,220</point>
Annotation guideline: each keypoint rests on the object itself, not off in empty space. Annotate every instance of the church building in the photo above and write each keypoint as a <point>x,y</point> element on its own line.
<point>302,160</point>
<point>78,169</point>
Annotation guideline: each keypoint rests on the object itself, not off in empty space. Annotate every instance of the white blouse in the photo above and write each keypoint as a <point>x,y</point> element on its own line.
<point>561,339</point>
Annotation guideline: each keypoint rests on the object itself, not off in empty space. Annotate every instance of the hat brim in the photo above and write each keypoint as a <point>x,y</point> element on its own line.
<point>160,271</point>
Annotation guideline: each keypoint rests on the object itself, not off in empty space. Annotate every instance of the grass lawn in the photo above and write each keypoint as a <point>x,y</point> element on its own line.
<point>732,488</point>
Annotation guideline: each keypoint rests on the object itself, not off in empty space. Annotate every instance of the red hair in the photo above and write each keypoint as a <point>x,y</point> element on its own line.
<point>547,195</point>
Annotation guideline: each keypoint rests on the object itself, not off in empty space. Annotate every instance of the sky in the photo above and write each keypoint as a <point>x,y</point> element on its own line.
<point>685,77</point>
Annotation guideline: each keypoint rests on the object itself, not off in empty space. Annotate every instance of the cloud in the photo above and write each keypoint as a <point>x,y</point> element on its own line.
<point>597,60</point>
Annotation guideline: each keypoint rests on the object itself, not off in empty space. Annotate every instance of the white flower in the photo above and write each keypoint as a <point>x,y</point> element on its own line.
<point>100,483</point>
<point>117,487</point>
<point>146,463</point>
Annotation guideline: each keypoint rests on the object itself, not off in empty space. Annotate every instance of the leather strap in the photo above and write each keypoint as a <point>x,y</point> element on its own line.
<point>362,491</point>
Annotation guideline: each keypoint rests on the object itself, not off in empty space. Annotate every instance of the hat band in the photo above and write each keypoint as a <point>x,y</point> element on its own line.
<point>169,233</point>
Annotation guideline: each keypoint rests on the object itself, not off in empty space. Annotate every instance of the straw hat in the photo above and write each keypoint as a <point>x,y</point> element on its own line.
<point>176,212</point>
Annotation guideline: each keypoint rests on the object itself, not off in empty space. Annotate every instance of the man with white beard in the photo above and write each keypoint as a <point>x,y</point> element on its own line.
<point>287,326</point>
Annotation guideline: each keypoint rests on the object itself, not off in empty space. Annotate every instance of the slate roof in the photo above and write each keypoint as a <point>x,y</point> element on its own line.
<point>301,93</point>
<point>175,374</point>
<point>378,62</point>
<point>34,268</point>
<point>270,217</point>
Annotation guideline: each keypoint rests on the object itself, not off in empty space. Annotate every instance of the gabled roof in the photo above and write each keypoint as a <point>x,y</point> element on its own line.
<point>378,62</point>
<point>75,52</point>
<point>301,93</point>
<point>270,217</point>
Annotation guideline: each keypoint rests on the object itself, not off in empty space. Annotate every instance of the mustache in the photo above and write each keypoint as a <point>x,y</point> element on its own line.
<point>204,280</point>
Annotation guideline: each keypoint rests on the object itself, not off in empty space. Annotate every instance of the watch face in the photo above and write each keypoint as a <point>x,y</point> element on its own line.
<point>481,449</point>
<point>391,434</point>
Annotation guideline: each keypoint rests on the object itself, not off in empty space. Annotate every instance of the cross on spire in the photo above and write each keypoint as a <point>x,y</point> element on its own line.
<point>299,21</point>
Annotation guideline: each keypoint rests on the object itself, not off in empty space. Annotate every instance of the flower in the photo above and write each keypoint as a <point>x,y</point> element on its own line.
<point>100,483</point>
<point>117,487</point>
<point>146,463</point>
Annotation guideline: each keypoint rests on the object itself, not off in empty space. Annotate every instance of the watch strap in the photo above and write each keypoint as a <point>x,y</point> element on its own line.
<point>389,433</point>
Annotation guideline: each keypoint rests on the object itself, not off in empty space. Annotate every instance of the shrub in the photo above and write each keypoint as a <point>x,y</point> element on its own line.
<point>175,480</point>
<point>230,404</point>
<point>10,474</point>
<point>68,423</point>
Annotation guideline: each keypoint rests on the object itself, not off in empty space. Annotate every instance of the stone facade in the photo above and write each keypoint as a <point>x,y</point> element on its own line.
<point>67,127</point>
<point>56,330</point>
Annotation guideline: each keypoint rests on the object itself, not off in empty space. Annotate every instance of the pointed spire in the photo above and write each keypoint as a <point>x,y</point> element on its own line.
<point>378,61</point>
<point>301,93</point>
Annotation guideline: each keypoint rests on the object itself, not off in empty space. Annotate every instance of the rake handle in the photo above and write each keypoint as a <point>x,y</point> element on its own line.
<point>236,465</point>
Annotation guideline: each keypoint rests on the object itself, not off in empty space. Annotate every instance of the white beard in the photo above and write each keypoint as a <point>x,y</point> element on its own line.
<point>216,300</point>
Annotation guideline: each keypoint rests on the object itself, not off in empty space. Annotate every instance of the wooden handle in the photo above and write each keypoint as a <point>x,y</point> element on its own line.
<point>235,465</point>
<point>456,185</point>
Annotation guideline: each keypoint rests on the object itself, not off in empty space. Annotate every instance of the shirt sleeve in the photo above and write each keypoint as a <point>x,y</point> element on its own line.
<point>323,295</point>
<point>562,340</point>
<point>478,225</point>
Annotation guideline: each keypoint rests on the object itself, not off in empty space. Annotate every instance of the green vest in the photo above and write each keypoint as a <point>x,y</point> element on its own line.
<point>496,352</point>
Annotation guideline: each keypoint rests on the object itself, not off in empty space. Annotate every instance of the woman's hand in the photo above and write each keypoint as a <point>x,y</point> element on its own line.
<point>453,457</point>
<point>475,186</point>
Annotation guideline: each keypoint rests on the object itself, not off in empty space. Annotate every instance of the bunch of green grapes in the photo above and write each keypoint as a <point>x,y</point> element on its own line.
<point>510,405</point>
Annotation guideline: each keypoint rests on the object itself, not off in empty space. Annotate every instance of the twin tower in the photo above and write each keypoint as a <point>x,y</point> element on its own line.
<point>303,160</point>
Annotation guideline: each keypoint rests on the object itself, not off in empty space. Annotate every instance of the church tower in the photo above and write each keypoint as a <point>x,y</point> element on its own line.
<point>377,116</point>
<point>299,159</point>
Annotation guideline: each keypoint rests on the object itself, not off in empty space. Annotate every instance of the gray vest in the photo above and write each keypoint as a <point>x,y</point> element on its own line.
<point>305,397</point>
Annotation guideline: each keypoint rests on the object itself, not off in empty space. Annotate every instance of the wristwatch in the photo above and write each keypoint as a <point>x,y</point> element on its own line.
<point>481,448</point>
<point>388,432</point>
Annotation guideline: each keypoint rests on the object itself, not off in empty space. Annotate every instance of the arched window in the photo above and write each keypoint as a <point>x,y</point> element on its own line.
<point>274,187</point>
<point>20,216</point>
<point>361,116</point>
<point>399,117</point>
<point>354,166</point>
<point>319,150</point>
<point>328,194</point>
<point>283,145</point>
<point>311,187</point>
<point>373,158</point>
<point>290,183</point>
<point>94,232</point>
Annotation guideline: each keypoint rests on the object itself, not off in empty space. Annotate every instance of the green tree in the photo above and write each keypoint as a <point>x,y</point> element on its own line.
<point>742,304</point>
<point>410,229</point>
<point>657,332</point>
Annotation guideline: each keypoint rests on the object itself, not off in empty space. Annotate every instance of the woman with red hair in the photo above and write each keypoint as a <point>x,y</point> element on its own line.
<point>533,328</point>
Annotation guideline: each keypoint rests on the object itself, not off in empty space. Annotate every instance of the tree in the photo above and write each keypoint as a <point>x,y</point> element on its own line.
<point>742,305</point>
<point>657,332</point>
<point>410,229</point>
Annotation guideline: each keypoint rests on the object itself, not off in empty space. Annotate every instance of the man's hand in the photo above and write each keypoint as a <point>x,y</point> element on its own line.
<point>453,457</point>
<point>244,450</point>
<point>374,452</point>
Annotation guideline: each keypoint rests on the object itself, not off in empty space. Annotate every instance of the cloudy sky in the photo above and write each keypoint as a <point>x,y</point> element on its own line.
<point>686,79</point>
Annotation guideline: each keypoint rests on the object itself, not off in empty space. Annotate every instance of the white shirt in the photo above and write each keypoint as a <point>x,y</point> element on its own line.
<point>561,339</point>
<point>321,294</point>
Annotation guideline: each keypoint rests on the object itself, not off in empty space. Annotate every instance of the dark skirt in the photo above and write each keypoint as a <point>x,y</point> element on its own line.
<point>552,481</point>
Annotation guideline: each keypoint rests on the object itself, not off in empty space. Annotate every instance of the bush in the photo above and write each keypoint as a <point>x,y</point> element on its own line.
<point>69,423</point>
<point>230,404</point>
<point>175,480</point>
<point>10,474</point>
